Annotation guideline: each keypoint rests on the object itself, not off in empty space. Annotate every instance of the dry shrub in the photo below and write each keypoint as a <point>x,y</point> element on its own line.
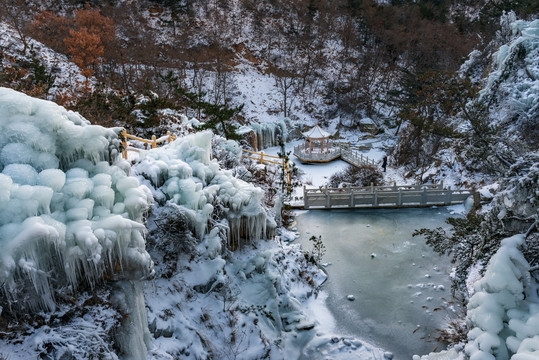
<point>357,176</point>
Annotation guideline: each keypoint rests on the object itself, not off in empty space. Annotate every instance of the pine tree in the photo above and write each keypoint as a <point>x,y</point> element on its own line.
<point>220,118</point>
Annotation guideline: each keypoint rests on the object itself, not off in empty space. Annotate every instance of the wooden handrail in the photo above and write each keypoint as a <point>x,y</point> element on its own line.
<point>261,160</point>
<point>256,153</point>
<point>153,141</point>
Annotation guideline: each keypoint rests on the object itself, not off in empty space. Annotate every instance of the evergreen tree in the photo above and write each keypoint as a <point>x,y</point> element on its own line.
<point>219,117</point>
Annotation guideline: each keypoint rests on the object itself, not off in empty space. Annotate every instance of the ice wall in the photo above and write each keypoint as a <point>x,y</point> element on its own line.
<point>182,174</point>
<point>69,214</point>
<point>269,134</point>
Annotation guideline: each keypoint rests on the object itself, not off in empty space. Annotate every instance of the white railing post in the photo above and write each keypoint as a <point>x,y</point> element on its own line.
<point>328,199</point>
<point>448,196</point>
<point>399,200</point>
<point>305,198</point>
<point>375,199</point>
<point>424,197</point>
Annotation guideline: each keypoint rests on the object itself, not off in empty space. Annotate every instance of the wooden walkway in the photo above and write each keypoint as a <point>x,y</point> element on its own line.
<point>153,142</point>
<point>384,197</point>
<point>355,158</point>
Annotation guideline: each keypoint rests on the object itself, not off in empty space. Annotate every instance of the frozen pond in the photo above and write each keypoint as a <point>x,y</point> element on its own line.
<point>396,279</point>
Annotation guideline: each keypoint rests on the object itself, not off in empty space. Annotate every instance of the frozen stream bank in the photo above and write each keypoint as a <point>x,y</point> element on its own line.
<point>396,279</point>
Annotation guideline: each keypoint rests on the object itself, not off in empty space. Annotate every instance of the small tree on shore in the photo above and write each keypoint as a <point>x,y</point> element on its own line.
<point>319,249</point>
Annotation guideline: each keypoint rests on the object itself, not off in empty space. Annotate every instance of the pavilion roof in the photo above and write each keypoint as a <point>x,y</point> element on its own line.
<point>316,133</point>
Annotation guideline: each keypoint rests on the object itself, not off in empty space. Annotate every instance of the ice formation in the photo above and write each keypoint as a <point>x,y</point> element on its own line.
<point>267,134</point>
<point>515,78</point>
<point>135,339</point>
<point>69,213</point>
<point>503,314</point>
<point>182,174</point>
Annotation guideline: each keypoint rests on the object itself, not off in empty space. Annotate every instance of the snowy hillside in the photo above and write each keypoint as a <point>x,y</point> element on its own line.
<point>503,304</point>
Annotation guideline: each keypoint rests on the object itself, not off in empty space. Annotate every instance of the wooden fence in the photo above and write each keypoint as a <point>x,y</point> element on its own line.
<point>385,196</point>
<point>153,141</point>
<point>262,158</point>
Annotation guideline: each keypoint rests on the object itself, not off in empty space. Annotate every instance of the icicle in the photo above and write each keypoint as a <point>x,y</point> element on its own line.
<point>134,339</point>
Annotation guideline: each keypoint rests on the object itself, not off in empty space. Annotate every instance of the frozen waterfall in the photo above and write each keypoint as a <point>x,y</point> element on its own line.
<point>70,213</point>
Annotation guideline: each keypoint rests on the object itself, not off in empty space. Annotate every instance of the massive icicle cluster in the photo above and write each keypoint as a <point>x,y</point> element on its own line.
<point>68,214</point>
<point>182,174</point>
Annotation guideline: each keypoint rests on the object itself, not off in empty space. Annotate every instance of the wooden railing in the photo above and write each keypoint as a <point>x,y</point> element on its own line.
<point>153,141</point>
<point>262,158</point>
<point>384,196</point>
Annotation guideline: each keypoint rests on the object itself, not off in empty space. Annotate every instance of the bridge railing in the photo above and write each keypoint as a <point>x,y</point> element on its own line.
<point>153,141</point>
<point>355,158</point>
<point>384,196</point>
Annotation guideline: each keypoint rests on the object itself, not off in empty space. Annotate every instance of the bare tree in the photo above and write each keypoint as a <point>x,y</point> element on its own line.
<point>17,13</point>
<point>285,82</point>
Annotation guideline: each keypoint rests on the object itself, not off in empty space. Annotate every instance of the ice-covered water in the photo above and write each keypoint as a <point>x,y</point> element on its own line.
<point>396,279</point>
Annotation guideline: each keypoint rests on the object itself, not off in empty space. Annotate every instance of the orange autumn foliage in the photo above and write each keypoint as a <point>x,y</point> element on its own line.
<point>85,49</point>
<point>92,20</point>
<point>83,37</point>
<point>51,29</point>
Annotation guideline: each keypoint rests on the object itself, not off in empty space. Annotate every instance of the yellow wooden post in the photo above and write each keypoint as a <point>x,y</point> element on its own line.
<point>261,157</point>
<point>124,144</point>
<point>154,142</point>
<point>287,172</point>
<point>169,137</point>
